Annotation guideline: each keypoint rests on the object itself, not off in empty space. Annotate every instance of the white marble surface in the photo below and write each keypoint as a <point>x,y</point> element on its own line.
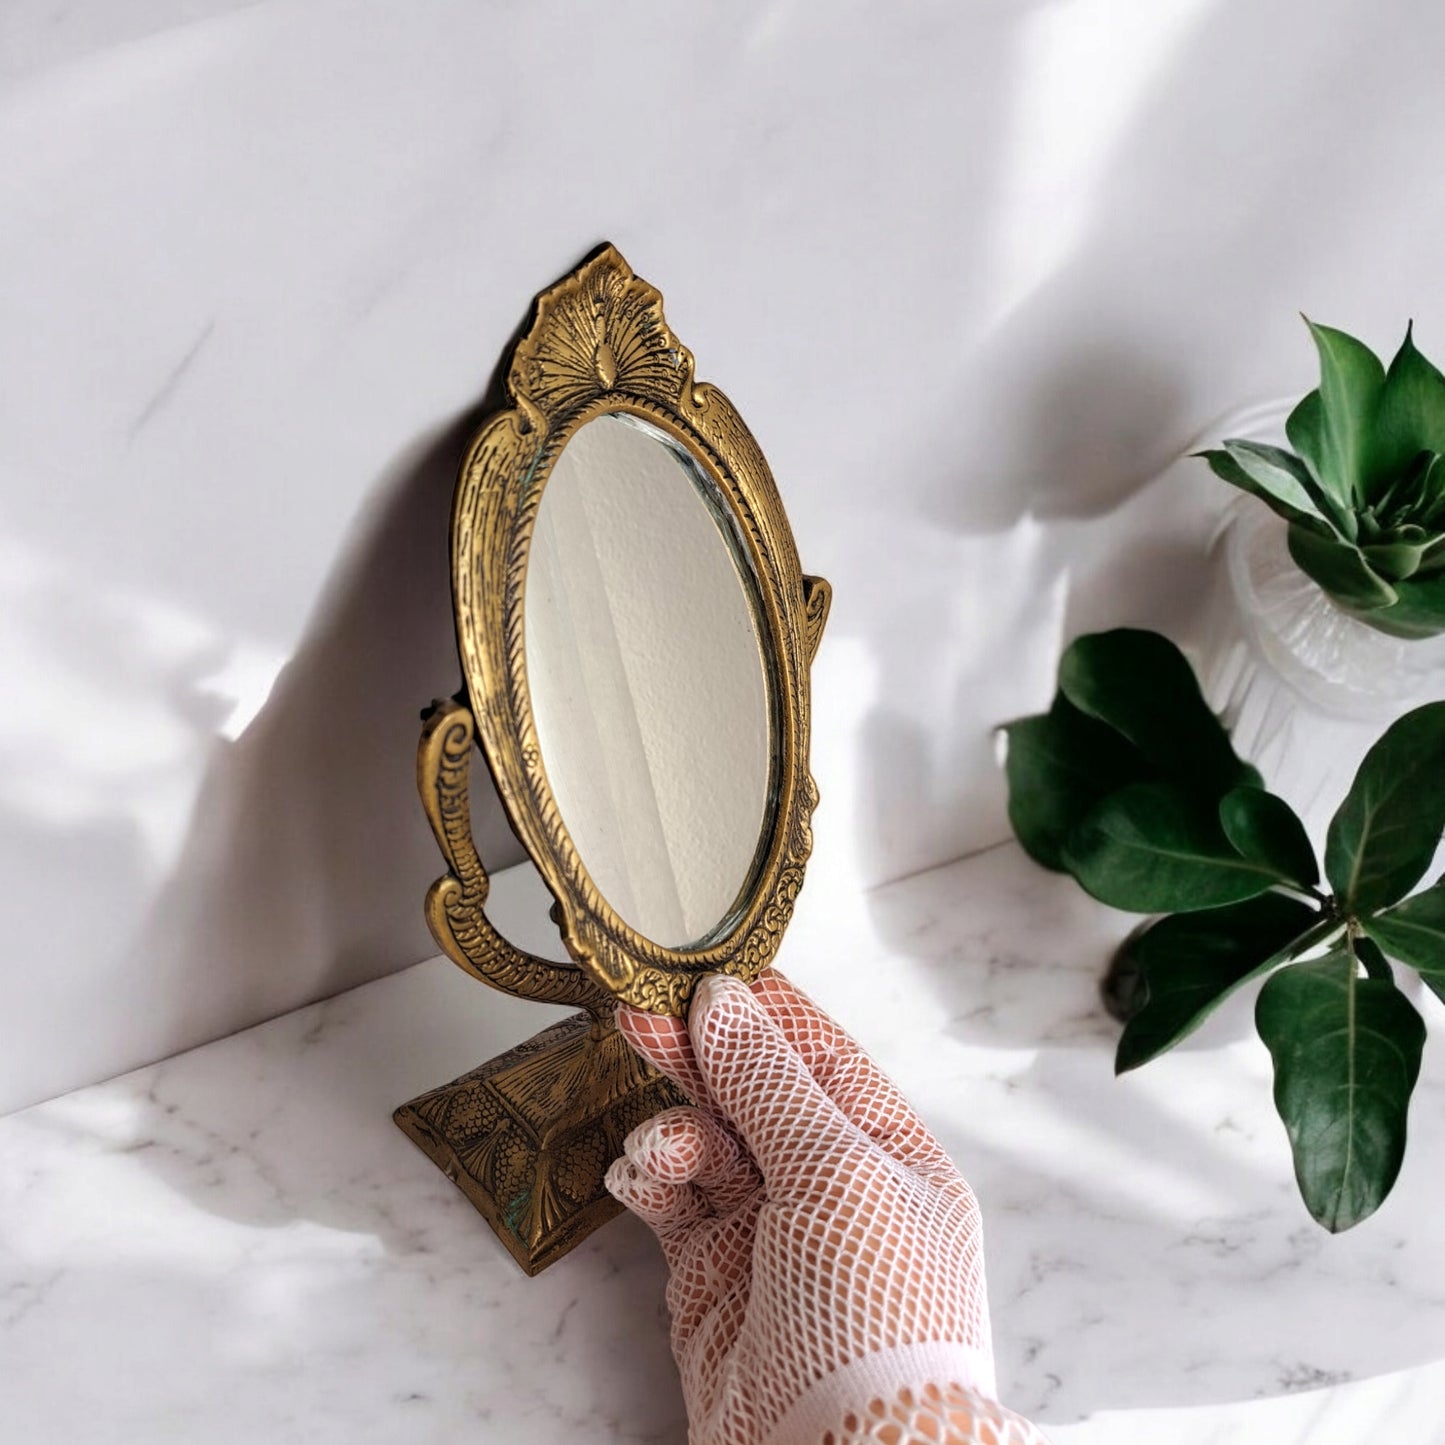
<point>238,1245</point>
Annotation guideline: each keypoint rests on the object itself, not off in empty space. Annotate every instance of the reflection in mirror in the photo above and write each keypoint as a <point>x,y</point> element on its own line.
<point>646,678</point>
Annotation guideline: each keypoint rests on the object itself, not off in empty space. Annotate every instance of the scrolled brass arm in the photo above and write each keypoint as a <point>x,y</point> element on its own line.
<point>817,603</point>
<point>455,903</point>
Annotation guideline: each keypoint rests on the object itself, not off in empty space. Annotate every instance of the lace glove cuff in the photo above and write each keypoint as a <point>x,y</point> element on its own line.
<point>927,1393</point>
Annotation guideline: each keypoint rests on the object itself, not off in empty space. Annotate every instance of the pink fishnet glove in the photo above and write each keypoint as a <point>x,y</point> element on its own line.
<point>826,1257</point>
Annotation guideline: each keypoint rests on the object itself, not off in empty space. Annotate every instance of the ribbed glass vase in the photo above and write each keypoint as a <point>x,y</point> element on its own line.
<point>1304,687</point>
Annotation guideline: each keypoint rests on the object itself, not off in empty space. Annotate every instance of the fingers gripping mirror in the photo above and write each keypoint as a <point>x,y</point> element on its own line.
<point>635,634</point>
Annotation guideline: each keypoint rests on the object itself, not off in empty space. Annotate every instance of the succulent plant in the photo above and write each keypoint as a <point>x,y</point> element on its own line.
<point>1363,490</point>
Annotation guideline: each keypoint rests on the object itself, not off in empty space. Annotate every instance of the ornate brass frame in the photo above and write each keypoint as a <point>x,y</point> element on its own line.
<point>527,1148</point>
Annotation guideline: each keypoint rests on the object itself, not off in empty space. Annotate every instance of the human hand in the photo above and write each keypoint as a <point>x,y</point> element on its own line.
<point>824,1252</point>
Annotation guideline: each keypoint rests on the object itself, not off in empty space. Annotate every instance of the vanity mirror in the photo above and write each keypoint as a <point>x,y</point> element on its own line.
<point>635,635</point>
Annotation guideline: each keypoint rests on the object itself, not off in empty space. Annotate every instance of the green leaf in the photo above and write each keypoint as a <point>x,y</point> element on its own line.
<point>1058,765</point>
<point>1346,1054</point>
<point>1432,559</point>
<point>1188,964</point>
<point>1393,561</point>
<point>1414,932</point>
<point>1410,417</point>
<point>1420,611</point>
<point>1153,848</point>
<point>1340,569</point>
<point>1305,429</point>
<point>1412,508</point>
<point>1404,493</point>
<point>1265,829</point>
<point>1351,380</point>
<point>1278,478</point>
<point>1385,833</point>
<point>1140,684</point>
<point>1429,508</point>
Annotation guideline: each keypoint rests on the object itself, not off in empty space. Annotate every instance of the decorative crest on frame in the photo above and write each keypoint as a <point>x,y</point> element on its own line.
<point>599,343</point>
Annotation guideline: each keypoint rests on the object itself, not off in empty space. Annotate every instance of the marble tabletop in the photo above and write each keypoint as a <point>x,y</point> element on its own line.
<point>237,1244</point>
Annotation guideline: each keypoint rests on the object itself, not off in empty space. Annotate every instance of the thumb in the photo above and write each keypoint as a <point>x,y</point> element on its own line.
<point>764,1087</point>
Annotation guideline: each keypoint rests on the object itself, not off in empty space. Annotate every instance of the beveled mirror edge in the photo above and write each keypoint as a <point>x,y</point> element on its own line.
<point>598,343</point>
<point>733,784</point>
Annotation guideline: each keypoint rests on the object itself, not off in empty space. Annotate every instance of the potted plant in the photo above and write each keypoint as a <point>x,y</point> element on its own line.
<point>1328,616</point>
<point>1363,491</point>
<point>1132,785</point>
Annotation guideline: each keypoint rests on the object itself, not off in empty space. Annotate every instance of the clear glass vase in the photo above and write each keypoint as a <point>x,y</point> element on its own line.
<point>1304,687</point>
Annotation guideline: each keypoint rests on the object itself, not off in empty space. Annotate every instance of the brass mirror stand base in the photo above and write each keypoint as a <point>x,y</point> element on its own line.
<point>529,1135</point>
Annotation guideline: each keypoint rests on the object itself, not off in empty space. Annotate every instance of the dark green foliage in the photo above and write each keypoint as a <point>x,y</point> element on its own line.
<point>1131,784</point>
<point>1140,685</point>
<point>1059,765</point>
<point>1414,932</point>
<point>1156,848</point>
<point>1266,830</point>
<point>1189,963</point>
<point>1129,735</point>
<point>1385,834</point>
<point>1346,1054</point>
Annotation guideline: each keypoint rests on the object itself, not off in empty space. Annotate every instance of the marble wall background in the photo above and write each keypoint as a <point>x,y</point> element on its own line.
<point>976,273</point>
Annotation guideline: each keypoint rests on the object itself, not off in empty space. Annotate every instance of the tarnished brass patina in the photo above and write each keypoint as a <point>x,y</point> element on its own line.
<point>529,1135</point>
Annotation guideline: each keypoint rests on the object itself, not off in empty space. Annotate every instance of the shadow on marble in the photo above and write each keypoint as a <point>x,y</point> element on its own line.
<point>279,1219</point>
<point>1010,953</point>
<point>1147,1246</point>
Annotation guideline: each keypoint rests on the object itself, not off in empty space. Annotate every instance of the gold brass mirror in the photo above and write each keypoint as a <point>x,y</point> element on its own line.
<point>635,636</point>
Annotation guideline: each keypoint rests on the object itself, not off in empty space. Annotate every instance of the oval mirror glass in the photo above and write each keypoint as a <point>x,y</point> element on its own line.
<point>647,680</point>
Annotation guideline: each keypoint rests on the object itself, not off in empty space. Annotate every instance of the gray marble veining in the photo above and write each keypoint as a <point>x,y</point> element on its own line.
<point>237,1244</point>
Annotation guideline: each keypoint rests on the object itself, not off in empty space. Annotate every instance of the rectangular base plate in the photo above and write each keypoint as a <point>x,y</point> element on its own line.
<point>529,1135</point>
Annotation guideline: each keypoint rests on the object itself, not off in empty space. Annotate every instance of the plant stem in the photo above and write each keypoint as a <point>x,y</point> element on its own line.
<point>1305,895</point>
<point>1321,935</point>
<point>1367,953</point>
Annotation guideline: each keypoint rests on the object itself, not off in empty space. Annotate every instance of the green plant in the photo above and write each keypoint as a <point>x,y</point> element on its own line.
<point>1364,489</point>
<point>1131,784</point>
